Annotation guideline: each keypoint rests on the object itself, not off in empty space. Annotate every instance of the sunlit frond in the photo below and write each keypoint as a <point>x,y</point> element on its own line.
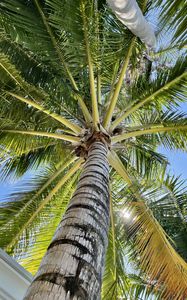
<point>30,209</point>
<point>173,15</point>
<point>44,228</point>
<point>169,88</point>
<point>72,73</point>
<point>158,258</point>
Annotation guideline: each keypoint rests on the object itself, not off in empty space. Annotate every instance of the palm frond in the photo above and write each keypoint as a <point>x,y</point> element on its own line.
<point>115,280</point>
<point>158,258</point>
<point>169,207</point>
<point>138,157</point>
<point>114,98</point>
<point>68,138</point>
<point>116,163</point>
<point>39,107</point>
<point>10,73</point>
<point>173,15</point>
<point>115,283</point>
<point>95,111</point>
<point>30,255</point>
<point>22,22</point>
<point>35,157</point>
<point>30,209</point>
<point>169,127</point>
<point>168,89</point>
<point>31,69</point>
<point>50,50</point>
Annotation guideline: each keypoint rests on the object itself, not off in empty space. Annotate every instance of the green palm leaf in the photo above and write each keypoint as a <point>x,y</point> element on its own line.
<point>31,209</point>
<point>71,75</point>
<point>168,89</point>
<point>54,210</point>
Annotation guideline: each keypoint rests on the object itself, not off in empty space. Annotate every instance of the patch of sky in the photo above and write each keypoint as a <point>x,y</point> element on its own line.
<point>13,185</point>
<point>177,162</point>
<point>177,159</point>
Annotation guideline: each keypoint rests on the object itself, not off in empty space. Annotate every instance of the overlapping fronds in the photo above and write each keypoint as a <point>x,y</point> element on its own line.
<point>115,281</point>
<point>167,89</point>
<point>28,207</point>
<point>44,228</point>
<point>138,156</point>
<point>158,259</point>
<point>56,30</point>
<point>64,66</point>
<point>37,73</point>
<point>169,127</point>
<point>173,15</point>
<point>20,164</point>
<point>23,24</point>
<point>30,67</point>
<point>169,207</point>
<point>163,266</point>
<point>122,277</point>
<point>9,72</point>
<point>29,156</point>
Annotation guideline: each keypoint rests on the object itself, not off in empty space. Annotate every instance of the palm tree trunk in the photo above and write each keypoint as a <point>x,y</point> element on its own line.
<point>130,14</point>
<point>73,264</point>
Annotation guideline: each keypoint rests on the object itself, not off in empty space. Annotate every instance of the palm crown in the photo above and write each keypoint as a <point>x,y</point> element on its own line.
<point>70,71</point>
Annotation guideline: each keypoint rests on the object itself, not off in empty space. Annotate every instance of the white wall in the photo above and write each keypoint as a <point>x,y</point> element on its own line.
<point>14,279</point>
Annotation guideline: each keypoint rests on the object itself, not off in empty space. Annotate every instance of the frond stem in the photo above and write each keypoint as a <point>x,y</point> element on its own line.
<point>66,177</point>
<point>114,99</point>
<point>59,118</point>
<point>116,163</point>
<point>132,109</point>
<point>61,57</point>
<point>95,112</point>
<point>68,138</point>
<point>153,130</point>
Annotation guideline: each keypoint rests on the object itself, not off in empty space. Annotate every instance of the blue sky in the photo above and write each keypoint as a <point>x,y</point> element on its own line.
<point>178,162</point>
<point>177,166</point>
<point>10,185</point>
<point>177,158</point>
<point>14,185</point>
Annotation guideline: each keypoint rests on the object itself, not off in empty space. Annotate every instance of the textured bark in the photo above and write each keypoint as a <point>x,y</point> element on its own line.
<point>73,265</point>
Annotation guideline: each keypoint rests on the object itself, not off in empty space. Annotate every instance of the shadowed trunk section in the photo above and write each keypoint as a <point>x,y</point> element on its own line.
<point>73,264</point>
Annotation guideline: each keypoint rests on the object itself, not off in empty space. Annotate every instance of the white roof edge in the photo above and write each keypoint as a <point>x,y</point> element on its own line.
<point>14,265</point>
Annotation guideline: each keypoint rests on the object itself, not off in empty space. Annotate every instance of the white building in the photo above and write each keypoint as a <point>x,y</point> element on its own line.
<point>14,279</point>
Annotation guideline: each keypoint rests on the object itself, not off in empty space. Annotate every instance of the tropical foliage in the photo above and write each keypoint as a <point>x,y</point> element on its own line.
<point>68,69</point>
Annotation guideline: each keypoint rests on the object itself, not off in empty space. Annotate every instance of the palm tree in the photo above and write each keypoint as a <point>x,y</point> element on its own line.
<point>81,94</point>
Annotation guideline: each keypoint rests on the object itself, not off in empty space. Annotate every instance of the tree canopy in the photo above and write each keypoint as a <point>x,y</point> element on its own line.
<point>69,68</point>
